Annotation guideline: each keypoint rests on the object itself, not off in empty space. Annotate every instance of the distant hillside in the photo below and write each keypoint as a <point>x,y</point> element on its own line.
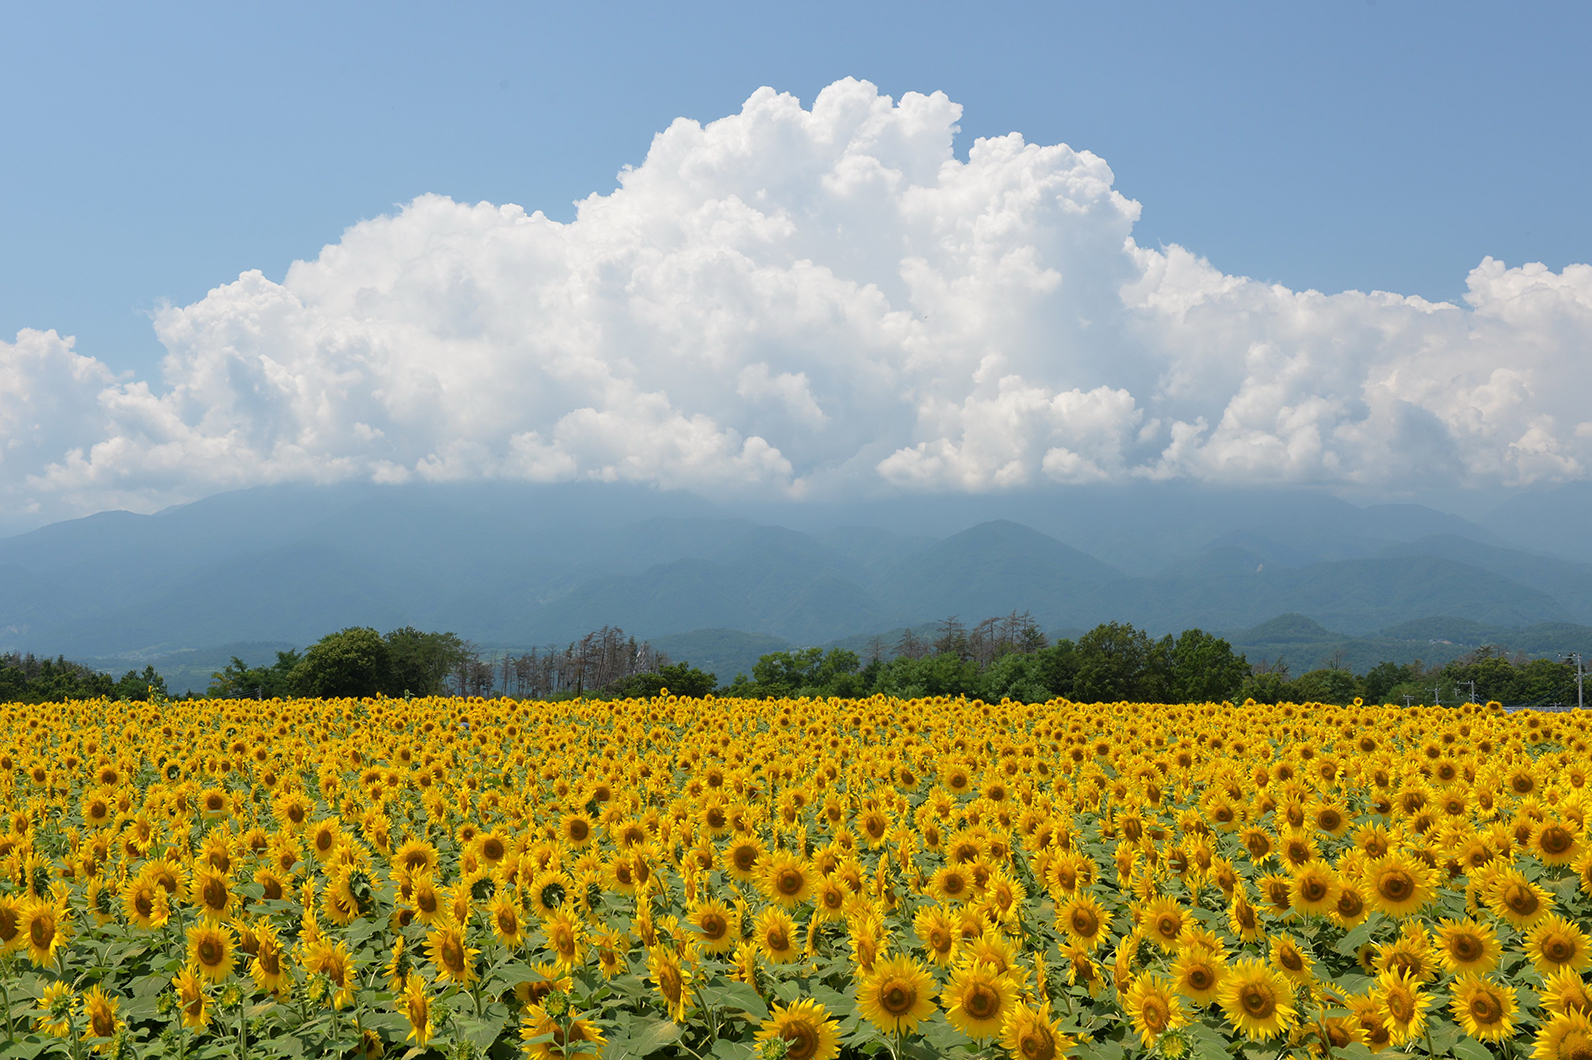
<point>1307,645</point>
<point>511,565</point>
<point>723,652</point>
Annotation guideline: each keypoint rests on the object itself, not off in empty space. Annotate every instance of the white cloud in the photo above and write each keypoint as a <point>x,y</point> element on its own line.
<point>810,301</point>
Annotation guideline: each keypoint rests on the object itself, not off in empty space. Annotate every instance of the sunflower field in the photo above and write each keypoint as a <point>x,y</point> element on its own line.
<point>798,879</point>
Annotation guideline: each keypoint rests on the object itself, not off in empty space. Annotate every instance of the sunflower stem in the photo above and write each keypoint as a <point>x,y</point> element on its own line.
<point>5,997</point>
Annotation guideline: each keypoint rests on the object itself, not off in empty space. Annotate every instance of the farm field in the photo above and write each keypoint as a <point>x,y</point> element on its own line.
<point>805,879</point>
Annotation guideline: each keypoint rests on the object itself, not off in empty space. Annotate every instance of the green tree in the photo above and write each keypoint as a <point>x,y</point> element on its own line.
<point>239,680</point>
<point>1380,680</point>
<point>1017,675</point>
<point>1118,662</point>
<point>1204,668</point>
<point>1324,686</point>
<point>352,662</point>
<point>681,679</point>
<point>419,663</point>
<point>137,686</point>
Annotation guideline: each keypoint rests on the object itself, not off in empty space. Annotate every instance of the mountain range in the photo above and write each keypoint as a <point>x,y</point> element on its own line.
<point>513,566</point>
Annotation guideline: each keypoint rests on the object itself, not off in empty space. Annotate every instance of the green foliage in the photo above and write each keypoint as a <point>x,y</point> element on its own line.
<point>681,679</point>
<point>1117,662</point>
<point>241,681</point>
<point>27,679</point>
<point>1205,668</point>
<point>353,662</point>
<point>419,663</point>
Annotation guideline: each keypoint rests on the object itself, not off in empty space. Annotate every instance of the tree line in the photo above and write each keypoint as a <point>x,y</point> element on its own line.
<point>1007,656</point>
<point>362,662</point>
<point>1011,657</point>
<point>30,679</point>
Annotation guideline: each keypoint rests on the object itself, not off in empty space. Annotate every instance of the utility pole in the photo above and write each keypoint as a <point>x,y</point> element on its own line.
<point>1580,702</point>
<point>1407,698</point>
<point>1437,695</point>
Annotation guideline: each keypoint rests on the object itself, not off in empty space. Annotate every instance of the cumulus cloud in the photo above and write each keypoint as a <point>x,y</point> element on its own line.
<point>806,301</point>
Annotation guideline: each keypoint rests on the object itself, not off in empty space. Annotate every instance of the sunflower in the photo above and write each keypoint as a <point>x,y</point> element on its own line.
<point>1367,1011</point>
<point>895,995</point>
<point>337,965</point>
<point>611,949</point>
<point>743,857</point>
<point>566,1036</point>
<point>786,879</point>
<point>977,999</point>
<point>55,1006</point>
<point>1567,1036</point>
<point>549,890</point>
<point>1291,960</point>
<point>1411,952</point>
<point>1086,922</point>
<point>718,923</point>
<point>1556,842</point>
<point>416,1008</point>
<point>805,1028</point>
<point>775,934</point>
<point>1153,1006</point>
<point>504,915</point>
<point>1350,910</point>
<point>829,899</point>
<point>191,1000</point>
<point>211,893</point>
<point>145,903</point>
<point>576,829</point>
<point>935,930</point>
<point>267,968</point>
<point>102,1022</point>
<point>672,979</point>
<point>11,935</point>
<point>1401,997</point>
<point>1315,889</point>
<point>415,856</point>
<point>325,837</point>
<point>427,900</point>
<point>1466,947</point>
<point>951,883</point>
<point>210,950</point>
<point>1032,1034</point>
<point>1517,899</point>
<point>1257,1000</point>
<point>1197,974</point>
<point>43,928</point>
<point>1276,890</point>
<point>566,938</point>
<point>1554,943</point>
<point>1485,1010</point>
<point>1243,920</point>
<point>1564,991</point>
<point>1399,885</point>
<point>1164,923</point>
<point>97,812</point>
<point>549,979</point>
<point>453,960</point>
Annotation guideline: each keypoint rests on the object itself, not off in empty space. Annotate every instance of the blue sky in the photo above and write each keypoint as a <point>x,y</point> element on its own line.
<point>158,150</point>
<point>156,153</point>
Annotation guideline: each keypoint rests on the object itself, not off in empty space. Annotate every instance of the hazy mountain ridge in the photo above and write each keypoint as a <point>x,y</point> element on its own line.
<point>519,565</point>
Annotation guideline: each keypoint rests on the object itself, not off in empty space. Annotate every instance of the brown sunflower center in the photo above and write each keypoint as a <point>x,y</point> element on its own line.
<point>1257,1001</point>
<point>981,1002</point>
<point>1396,885</point>
<point>1485,1010</point>
<point>1521,899</point>
<point>897,998</point>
